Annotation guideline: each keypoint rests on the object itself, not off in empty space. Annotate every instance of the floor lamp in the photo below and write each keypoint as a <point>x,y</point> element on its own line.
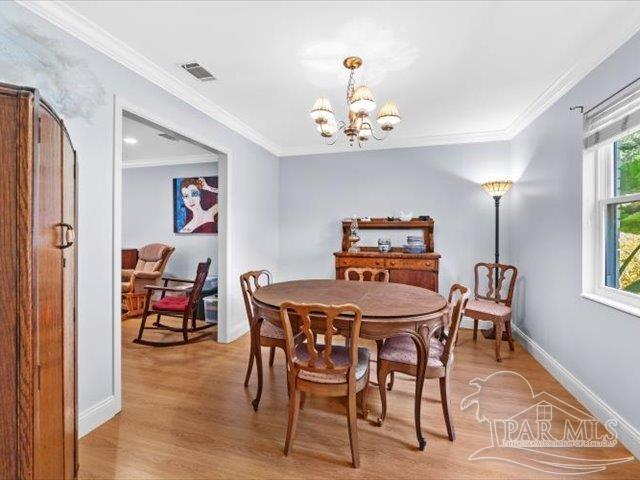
<point>497,188</point>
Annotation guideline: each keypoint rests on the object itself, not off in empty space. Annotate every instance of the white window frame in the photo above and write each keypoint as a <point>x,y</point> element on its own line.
<point>597,194</point>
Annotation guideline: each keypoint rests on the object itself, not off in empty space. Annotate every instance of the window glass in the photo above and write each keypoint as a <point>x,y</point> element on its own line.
<point>627,164</point>
<point>623,246</point>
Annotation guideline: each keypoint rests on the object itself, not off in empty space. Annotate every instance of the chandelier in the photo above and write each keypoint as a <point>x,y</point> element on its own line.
<point>360,104</point>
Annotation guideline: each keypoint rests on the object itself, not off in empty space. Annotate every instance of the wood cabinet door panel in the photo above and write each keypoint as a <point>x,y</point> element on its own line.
<point>69,304</point>
<point>49,423</point>
<point>8,283</point>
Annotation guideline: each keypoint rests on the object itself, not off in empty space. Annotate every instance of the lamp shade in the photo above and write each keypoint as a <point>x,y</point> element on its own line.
<point>497,188</point>
<point>364,132</point>
<point>388,116</point>
<point>362,100</point>
<point>322,111</point>
<point>329,128</point>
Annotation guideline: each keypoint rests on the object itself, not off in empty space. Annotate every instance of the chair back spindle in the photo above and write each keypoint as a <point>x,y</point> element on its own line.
<point>366,274</point>
<point>458,298</point>
<point>198,284</point>
<point>321,318</point>
<point>485,287</point>
<point>249,283</point>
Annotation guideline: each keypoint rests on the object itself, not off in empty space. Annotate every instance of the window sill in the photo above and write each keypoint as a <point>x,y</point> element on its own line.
<point>618,305</point>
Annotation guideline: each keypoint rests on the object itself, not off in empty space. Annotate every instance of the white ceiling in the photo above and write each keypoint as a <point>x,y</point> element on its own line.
<point>459,72</point>
<point>152,149</point>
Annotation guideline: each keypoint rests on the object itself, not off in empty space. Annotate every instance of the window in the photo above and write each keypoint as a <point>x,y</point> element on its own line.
<point>622,224</point>
<point>611,201</point>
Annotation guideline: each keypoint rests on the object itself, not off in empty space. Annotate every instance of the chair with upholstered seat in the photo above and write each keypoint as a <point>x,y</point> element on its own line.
<point>399,354</point>
<point>493,303</point>
<point>327,370</point>
<point>263,333</point>
<point>182,304</point>
<point>152,260</point>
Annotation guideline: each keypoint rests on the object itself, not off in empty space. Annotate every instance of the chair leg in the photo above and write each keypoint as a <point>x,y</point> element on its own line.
<point>445,398</point>
<point>475,330</point>
<point>185,328</point>
<point>383,371</point>
<point>499,327</point>
<point>352,417</point>
<point>294,405</point>
<point>390,384</point>
<point>510,336</point>
<point>250,365</point>
<point>143,321</point>
<point>258,359</point>
<point>272,355</point>
<point>363,400</point>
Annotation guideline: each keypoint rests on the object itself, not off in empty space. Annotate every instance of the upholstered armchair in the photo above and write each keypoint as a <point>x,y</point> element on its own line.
<point>152,260</point>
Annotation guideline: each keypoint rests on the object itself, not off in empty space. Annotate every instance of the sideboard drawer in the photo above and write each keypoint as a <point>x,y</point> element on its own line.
<point>410,264</point>
<point>360,262</point>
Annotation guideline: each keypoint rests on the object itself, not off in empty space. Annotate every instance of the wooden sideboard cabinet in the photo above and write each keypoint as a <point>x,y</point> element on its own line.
<point>419,269</point>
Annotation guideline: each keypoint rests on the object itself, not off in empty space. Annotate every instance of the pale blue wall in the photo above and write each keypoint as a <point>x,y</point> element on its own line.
<point>147,216</point>
<point>318,191</point>
<point>596,343</point>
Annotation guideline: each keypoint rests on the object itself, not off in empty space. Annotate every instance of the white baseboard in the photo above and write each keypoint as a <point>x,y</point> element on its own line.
<point>96,415</point>
<point>237,331</point>
<point>628,435</point>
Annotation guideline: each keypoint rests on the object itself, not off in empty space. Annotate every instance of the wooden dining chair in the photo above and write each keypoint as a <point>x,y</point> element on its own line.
<point>183,305</point>
<point>492,302</point>
<point>327,370</point>
<point>399,354</point>
<point>366,274</point>
<point>263,333</point>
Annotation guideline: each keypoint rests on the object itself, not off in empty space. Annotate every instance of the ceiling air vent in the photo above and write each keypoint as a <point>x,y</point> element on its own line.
<point>198,71</point>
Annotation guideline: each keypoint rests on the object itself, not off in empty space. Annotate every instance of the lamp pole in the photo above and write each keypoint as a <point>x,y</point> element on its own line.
<point>497,189</point>
<point>496,199</point>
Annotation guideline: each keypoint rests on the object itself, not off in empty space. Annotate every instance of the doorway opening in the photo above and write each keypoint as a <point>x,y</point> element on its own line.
<point>169,219</point>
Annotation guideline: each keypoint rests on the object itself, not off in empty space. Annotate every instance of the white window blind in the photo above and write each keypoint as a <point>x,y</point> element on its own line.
<point>613,118</point>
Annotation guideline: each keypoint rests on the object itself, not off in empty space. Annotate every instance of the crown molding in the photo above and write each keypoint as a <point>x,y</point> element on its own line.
<point>591,58</point>
<point>411,142</point>
<point>68,19</point>
<point>169,161</point>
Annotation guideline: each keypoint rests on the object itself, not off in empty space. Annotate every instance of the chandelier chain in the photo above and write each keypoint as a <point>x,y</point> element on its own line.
<point>351,85</point>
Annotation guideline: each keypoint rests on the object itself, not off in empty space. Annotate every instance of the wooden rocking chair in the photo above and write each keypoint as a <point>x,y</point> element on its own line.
<point>181,306</point>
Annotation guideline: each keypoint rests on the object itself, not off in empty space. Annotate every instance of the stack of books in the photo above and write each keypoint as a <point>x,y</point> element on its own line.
<point>415,244</point>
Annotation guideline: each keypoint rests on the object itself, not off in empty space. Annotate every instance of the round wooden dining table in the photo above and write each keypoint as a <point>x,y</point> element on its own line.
<point>388,310</point>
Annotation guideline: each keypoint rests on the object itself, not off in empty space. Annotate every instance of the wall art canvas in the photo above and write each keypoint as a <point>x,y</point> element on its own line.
<point>195,205</point>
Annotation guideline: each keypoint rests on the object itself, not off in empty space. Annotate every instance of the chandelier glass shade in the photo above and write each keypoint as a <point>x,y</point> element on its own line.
<point>360,103</point>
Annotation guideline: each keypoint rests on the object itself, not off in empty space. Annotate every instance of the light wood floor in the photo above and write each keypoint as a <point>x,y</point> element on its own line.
<point>186,415</point>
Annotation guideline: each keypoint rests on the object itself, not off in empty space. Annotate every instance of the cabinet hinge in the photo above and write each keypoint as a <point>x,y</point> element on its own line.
<point>38,375</point>
<point>39,129</point>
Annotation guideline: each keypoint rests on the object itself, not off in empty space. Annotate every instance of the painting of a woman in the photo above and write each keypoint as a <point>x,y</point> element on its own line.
<point>195,205</point>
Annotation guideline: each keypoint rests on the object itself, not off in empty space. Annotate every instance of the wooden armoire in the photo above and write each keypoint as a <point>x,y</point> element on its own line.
<point>38,431</point>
